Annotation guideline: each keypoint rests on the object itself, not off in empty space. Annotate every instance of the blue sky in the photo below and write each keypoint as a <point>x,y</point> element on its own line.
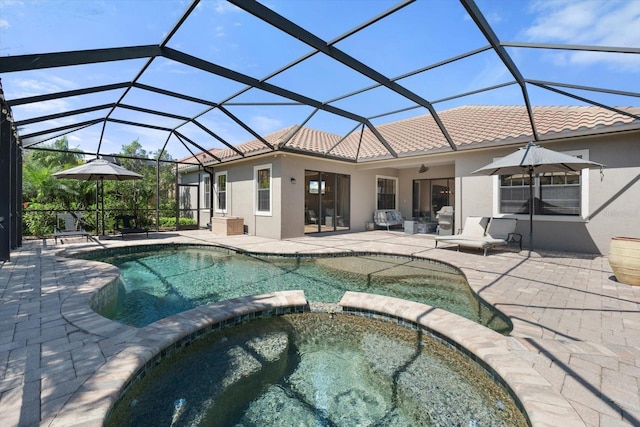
<point>420,34</point>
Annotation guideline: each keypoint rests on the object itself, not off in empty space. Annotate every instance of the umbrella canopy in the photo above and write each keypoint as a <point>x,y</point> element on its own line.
<point>534,159</point>
<point>98,170</point>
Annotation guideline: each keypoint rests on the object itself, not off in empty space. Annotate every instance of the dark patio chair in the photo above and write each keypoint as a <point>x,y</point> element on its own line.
<point>129,225</point>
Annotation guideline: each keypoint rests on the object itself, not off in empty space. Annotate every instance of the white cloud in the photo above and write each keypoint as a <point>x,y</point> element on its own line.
<point>60,83</point>
<point>4,24</point>
<point>32,86</point>
<point>492,73</point>
<point>168,66</point>
<point>50,84</point>
<point>264,124</point>
<point>10,3</point>
<point>36,109</point>
<point>221,6</point>
<point>595,23</point>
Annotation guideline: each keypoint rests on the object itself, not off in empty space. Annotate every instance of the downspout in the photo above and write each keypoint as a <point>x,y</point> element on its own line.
<point>177,195</point>
<point>158,194</point>
<point>212,184</point>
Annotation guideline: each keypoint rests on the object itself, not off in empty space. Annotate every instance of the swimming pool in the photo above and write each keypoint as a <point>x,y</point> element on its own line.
<point>315,369</point>
<point>159,281</point>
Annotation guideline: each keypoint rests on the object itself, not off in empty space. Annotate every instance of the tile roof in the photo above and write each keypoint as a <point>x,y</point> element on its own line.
<point>468,126</point>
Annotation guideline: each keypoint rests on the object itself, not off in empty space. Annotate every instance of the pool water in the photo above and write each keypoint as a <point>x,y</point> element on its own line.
<point>315,369</point>
<point>160,283</point>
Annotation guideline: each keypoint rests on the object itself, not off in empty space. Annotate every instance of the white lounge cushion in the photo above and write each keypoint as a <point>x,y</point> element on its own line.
<point>474,228</point>
<point>500,228</point>
<point>497,233</point>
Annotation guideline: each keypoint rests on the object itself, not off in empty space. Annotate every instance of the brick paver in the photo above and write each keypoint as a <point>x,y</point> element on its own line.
<point>575,325</point>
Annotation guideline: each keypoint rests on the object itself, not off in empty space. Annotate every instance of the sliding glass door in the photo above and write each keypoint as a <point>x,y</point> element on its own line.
<point>430,195</point>
<point>327,201</point>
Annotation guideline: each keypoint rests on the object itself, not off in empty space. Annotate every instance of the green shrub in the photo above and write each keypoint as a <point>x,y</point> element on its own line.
<point>171,221</point>
<point>39,220</point>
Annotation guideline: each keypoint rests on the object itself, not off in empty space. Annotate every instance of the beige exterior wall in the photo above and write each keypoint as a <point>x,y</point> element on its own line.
<point>408,175</point>
<point>241,196</point>
<point>287,218</point>
<point>613,200</point>
<point>362,191</point>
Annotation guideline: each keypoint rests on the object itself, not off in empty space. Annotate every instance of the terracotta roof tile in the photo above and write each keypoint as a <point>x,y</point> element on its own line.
<point>480,124</point>
<point>467,125</point>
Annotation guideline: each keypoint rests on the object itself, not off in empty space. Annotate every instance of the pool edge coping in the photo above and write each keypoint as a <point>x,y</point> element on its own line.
<point>542,404</point>
<point>136,348</point>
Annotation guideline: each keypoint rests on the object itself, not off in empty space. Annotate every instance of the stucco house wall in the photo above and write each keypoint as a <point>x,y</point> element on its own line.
<point>362,191</point>
<point>613,199</point>
<point>287,216</point>
<point>241,195</point>
<point>408,174</point>
<point>613,196</point>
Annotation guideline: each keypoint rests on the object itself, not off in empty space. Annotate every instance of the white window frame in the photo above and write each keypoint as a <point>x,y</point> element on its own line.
<point>206,192</point>
<point>584,196</point>
<point>217,192</point>
<point>255,189</point>
<point>396,180</point>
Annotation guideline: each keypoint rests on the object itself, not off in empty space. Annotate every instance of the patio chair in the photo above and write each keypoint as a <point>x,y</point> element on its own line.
<point>129,225</point>
<point>474,229</point>
<point>312,218</point>
<point>500,232</point>
<point>68,224</point>
<point>388,218</point>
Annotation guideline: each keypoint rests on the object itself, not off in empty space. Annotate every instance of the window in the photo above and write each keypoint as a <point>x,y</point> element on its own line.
<point>315,187</point>
<point>559,194</point>
<point>514,194</point>
<point>262,178</point>
<point>221,192</point>
<point>386,189</point>
<point>207,192</point>
<point>555,193</point>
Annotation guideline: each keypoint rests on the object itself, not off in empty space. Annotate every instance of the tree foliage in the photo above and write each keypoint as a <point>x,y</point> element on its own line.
<point>44,195</point>
<point>39,184</point>
<point>138,197</point>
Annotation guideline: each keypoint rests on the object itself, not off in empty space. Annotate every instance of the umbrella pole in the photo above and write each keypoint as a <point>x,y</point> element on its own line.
<point>97,207</point>
<point>102,201</point>
<point>531,203</point>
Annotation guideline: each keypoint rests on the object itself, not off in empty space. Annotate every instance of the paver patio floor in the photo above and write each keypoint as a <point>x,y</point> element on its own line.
<point>579,328</point>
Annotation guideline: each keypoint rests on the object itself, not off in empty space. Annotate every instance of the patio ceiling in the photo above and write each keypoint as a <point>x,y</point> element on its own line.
<point>188,93</point>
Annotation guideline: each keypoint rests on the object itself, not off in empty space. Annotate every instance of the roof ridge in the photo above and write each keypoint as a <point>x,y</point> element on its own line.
<point>467,125</point>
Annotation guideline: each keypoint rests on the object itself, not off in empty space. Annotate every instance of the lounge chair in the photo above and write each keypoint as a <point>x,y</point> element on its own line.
<point>476,234</point>
<point>129,225</point>
<point>474,229</point>
<point>501,232</point>
<point>67,225</point>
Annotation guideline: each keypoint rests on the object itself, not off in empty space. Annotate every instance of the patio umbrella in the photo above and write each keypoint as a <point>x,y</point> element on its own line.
<point>98,170</point>
<point>533,159</point>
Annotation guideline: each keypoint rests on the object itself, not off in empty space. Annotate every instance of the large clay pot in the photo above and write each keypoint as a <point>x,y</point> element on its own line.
<point>624,258</point>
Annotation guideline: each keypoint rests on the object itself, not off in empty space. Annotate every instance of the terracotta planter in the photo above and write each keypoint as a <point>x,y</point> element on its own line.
<point>624,258</point>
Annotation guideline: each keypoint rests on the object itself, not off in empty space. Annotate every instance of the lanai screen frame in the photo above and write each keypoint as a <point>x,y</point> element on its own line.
<point>13,142</point>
